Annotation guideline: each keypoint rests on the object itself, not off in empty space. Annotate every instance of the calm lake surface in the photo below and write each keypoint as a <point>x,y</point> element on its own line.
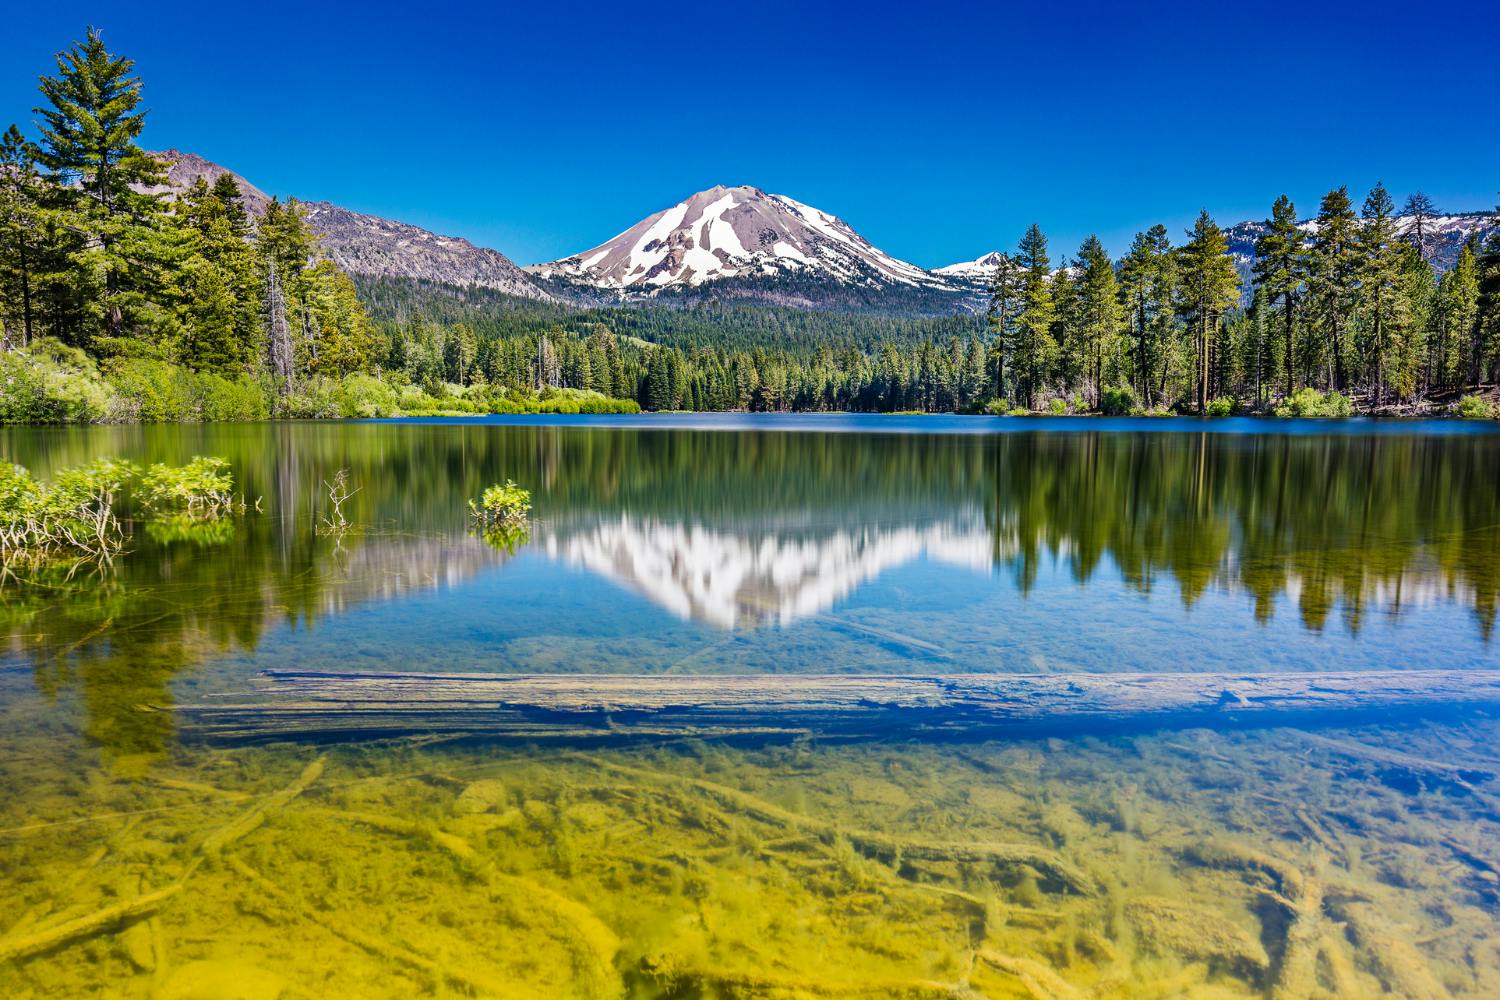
<point>1217,864</point>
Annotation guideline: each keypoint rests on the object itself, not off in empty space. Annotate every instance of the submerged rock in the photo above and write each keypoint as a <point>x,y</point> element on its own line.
<point>221,980</point>
<point>482,796</point>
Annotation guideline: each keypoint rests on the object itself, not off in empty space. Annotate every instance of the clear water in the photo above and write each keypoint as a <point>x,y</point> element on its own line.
<point>744,544</point>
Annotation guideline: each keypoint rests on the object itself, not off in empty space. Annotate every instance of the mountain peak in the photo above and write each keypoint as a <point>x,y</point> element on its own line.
<point>734,232</point>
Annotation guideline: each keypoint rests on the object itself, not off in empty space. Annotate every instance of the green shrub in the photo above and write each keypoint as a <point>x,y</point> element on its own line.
<point>49,383</point>
<point>1223,406</point>
<point>363,395</point>
<point>151,391</point>
<point>1476,408</point>
<point>218,398</point>
<point>203,487</point>
<point>1117,402</point>
<point>507,504</point>
<point>1309,402</point>
<point>1057,407</point>
<point>74,514</point>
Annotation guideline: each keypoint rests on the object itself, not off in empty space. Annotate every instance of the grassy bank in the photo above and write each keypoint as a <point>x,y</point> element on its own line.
<point>50,383</point>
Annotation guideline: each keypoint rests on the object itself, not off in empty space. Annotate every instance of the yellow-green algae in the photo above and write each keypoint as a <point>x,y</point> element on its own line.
<point>1185,864</point>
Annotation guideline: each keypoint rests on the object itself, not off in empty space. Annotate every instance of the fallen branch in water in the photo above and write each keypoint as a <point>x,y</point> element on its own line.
<point>108,919</point>
<point>325,705</point>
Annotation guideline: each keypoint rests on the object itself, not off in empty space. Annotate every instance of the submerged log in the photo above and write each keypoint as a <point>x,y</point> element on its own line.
<point>309,704</point>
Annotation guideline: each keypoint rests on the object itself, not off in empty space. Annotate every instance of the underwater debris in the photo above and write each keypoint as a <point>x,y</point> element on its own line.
<point>108,919</point>
<point>368,942</point>
<point>1443,772</point>
<point>1046,863</point>
<point>592,944</point>
<point>1038,978</point>
<point>1196,933</point>
<point>1390,955</point>
<point>729,985</point>
<point>1299,895</point>
<point>256,814</point>
<point>221,980</point>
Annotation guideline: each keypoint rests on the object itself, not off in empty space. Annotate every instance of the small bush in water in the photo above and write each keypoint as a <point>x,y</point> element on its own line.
<point>203,487</point>
<point>72,514</point>
<point>502,504</point>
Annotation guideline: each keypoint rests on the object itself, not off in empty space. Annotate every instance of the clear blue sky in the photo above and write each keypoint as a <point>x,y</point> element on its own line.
<point>937,130</point>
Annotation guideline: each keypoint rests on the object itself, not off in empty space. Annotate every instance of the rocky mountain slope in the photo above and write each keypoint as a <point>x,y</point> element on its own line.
<point>370,245</point>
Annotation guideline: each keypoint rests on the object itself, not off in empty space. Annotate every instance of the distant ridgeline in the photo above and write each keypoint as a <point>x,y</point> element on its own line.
<point>140,286</point>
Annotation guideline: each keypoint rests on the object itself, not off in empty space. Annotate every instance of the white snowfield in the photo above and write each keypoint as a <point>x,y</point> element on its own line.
<point>728,232</point>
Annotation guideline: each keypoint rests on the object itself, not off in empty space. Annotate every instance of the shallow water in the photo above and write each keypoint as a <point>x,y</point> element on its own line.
<point>1263,862</point>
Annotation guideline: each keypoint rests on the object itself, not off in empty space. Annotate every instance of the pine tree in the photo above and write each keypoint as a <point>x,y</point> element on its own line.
<point>1209,285</point>
<point>22,238</point>
<point>1098,310</point>
<point>1334,282</point>
<point>1005,291</point>
<point>1281,273</point>
<point>1419,211</point>
<point>1484,345</point>
<point>1033,349</point>
<point>1380,291</point>
<point>218,279</point>
<point>1457,309</point>
<point>1148,278</point>
<point>89,128</point>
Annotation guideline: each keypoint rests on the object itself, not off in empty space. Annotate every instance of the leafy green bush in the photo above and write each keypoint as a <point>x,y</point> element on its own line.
<point>554,400</point>
<point>73,514</point>
<point>1057,407</point>
<point>501,505</point>
<point>365,396</point>
<point>1476,408</point>
<point>218,398</point>
<point>1309,402</point>
<point>1117,402</point>
<point>49,383</point>
<point>1223,406</point>
<point>204,488</point>
<point>151,391</point>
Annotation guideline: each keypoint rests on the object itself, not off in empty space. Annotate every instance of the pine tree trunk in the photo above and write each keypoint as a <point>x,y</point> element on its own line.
<point>1288,308</point>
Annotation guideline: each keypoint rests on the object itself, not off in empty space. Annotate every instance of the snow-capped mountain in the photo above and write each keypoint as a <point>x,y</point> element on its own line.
<point>1444,235</point>
<point>979,269</point>
<point>368,244</point>
<point>740,242</point>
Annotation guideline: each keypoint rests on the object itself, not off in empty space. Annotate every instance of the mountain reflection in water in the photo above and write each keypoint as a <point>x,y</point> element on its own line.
<point>747,579</point>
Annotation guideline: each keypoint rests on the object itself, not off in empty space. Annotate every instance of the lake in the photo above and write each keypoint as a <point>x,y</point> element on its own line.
<point>1337,858</point>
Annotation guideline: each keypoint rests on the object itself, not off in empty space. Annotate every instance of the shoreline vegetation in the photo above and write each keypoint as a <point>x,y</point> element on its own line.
<point>124,300</point>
